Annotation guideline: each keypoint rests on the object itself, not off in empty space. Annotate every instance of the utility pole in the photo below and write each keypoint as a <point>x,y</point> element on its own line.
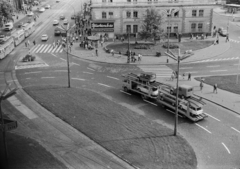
<point>128,60</point>
<point>177,58</point>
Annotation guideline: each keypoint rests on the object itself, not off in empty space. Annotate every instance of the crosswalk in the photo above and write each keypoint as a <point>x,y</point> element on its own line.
<point>31,66</point>
<point>235,41</point>
<point>215,60</point>
<point>46,48</point>
<point>161,71</point>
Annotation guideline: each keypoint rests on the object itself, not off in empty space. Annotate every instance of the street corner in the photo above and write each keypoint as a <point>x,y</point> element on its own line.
<point>30,61</point>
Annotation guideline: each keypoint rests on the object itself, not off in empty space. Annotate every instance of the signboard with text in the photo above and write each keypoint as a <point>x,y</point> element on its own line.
<point>102,27</point>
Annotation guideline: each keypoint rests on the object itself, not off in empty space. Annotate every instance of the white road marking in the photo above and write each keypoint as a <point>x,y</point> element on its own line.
<point>11,81</point>
<point>112,77</point>
<point>53,54</point>
<point>103,85</point>
<point>62,59</point>
<point>212,117</point>
<point>125,92</point>
<point>218,71</point>
<point>213,66</point>
<point>28,78</point>
<point>226,148</point>
<point>33,72</point>
<point>60,70</point>
<point>150,102</point>
<point>203,128</point>
<point>186,68</point>
<point>88,72</point>
<point>75,63</point>
<point>235,129</point>
<point>90,69</point>
<point>78,79</point>
<point>47,77</point>
<point>192,72</point>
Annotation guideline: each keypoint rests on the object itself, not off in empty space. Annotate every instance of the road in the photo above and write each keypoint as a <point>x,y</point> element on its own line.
<point>215,140</point>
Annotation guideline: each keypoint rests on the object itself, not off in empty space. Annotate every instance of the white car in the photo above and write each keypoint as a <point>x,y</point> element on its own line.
<point>8,26</point>
<point>30,14</point>
<point>145,89</point>
<point>47,6</point>
<point>41,10</point>
<point>55,22</point>
<point>65,22</point>
<point>194,107</point>
<point>44,37</point>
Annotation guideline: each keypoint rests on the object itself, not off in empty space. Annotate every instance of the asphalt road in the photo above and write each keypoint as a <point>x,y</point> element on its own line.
<point>215,139</point>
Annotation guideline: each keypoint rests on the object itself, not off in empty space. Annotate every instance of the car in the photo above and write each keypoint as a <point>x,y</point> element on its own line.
<point>2,38</point>
<point>8,26</point>
<point>55,22</point>
<point>73,16</point>
<point>36,3</point>
<point>20,25</point>
<point>223,32</point>
<point>145,89</point>
<point>41,9</point>
<point>65,22</point>
<point>30,13</point>
<point>57,32</point>
<point>62,17</point>
<point>147,76</point>
<point>47,6</point>
<point>44,37</point>
<point>29,58</point>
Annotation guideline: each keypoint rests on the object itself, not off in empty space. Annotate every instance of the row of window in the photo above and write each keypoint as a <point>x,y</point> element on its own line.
<point>135,14</point>
<point>149,1</point>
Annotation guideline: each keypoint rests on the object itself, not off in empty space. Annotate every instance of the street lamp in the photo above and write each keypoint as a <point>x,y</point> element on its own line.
<point>169,14</point>
<point>178,59</point>
<point>66,30</point>
<point>128,60</point>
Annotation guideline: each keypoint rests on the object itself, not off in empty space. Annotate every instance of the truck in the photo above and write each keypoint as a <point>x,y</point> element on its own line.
<point>189,107</point>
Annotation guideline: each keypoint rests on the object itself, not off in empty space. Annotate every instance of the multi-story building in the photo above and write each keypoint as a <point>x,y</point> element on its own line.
<point>181,16</point>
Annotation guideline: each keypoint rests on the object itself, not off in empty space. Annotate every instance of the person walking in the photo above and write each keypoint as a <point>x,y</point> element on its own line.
<point>26,44</point>
<point>227,37</point>
<point>201,86</point>
<point>96,50</point>
<point>215,88</point>
<point>183,75</point>
<point>139,57</point>
<point>189,76</point>
<point>34,42</point>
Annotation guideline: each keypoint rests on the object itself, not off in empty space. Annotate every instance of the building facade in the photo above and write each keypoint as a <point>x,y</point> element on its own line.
<point>117,17</point>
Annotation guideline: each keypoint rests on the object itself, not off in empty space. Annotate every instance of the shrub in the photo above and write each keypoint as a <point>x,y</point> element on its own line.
<point>141,47</point>
<point>171,45</point>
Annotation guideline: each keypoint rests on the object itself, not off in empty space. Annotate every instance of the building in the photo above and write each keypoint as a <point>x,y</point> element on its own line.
<point>117,17</point>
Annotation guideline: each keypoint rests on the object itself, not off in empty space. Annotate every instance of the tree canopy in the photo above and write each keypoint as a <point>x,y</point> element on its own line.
<point>6,10</point>
<point>152,25</point>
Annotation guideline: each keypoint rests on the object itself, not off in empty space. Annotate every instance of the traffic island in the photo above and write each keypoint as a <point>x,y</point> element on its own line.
<point>134,138</point>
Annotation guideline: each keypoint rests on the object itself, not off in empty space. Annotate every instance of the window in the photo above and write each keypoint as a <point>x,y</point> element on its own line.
<point>194,13</point>
<point>104,15</point>
<point>200,12</point>
<point>176,14</point>
<point>128,0</point>
<point>128,14</point>
<point>175,28</point>
<point>169,13</point>
<point>155,1</point>
<point>135,14</point>
<point>135,1</point>
<point>110,0</point>
<point>193,27</point>
<point>200,27</point>
<point>169,29</point>
<point>104,1</point>
<point>149,1</point>
<point>128,29</point>
<point>135,28</point>
<point>110,14</point>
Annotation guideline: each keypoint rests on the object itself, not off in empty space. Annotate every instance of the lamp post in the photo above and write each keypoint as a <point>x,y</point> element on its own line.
<point>169,14</point>
<point>177,58</point>
<point>128,60</point>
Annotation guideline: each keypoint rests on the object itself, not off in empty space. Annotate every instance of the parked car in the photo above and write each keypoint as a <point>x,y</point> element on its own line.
<point>65,22</point>
<point>47,6</point>
<point>44,37</point>
<point>41,9</point>
<point>30,13</point>
<point>57,32</point>
<point>62,17</point>
<point>55,22</point>
<point>29,58</point>
<point>8,26</point>
<point>222,31</point>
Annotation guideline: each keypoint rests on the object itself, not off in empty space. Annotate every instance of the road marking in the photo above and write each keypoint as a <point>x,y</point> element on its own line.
<point>112,77</point>
<point>103,85</point>
<point>47,77</point>
<point>78,79</point>
<point>75,63</point>
<point>192,72</point>
<point>150,102</point>
<point>88,73</point>
<point>235,129</point>
<point>226,148</point>
<point>173,112</point>
<point>33,72</point>
<point>62,59</point>
<point>125,92</point>
<point>11,81</point>
<point>236,64</point>
<point>213,66</point>
<point>60,70</point>
<point>212,117</point>
<point>203,128</point>
<point>90,69</point>
<point>53,54</point>
<point>186,68</point>
<point>28,78</point>
<point>218,71</point>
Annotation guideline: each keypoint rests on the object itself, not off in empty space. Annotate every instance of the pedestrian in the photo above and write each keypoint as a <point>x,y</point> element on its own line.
<point>96,50</point>
<point>206,35</point>
<point>183,75</point>
<point>201,86</point>
<point>70,48</point>
<point>227,38</point>
<point>17,16</point>
<point>215,88</point>
<point>189,76</point>
<point>102,43</point>
<point>26,44</point>
<point>34,42</point>
<point>112,52</point>
<point>139,57</point>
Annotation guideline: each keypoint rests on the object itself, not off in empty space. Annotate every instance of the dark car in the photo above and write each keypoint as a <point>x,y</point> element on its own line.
<point>62,17</point>
<point>73,16</point>
<point>147,76</point>
<point>57,32</point>
<point>29,58</point>
<point>20,25</point>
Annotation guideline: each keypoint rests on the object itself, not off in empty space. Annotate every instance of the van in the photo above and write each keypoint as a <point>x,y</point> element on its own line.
<point>8,26</point>
<point>185,91</point>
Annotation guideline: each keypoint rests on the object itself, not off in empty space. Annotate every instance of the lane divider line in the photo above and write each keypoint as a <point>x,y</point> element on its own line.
<point>78,79</point>
<point>60,70</point>
<point>112,77</point>
<point>103,85</point>
<point>213,66</point>
<point>218,71</point>
<point>226,148</point>
<point>47,77</point>
<point>213,117</point>
<point>90,69</point>
<point>150,102</point>
<point>75,63</point>
<point>235,129</point>
<point>62,59</point>
<point>203,128</point>
<point>53,54</point>
<point>33,72</point>
<point>125,92</point>
<point>88,73</point>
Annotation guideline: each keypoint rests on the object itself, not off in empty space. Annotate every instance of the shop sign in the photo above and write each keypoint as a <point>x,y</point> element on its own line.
<point>103,27</point>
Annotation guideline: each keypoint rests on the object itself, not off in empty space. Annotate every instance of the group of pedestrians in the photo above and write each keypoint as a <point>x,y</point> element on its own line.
<point>215,87</point>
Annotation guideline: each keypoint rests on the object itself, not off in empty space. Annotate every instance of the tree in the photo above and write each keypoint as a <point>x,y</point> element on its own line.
<point>151,26</point>
<point>6,10</point>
